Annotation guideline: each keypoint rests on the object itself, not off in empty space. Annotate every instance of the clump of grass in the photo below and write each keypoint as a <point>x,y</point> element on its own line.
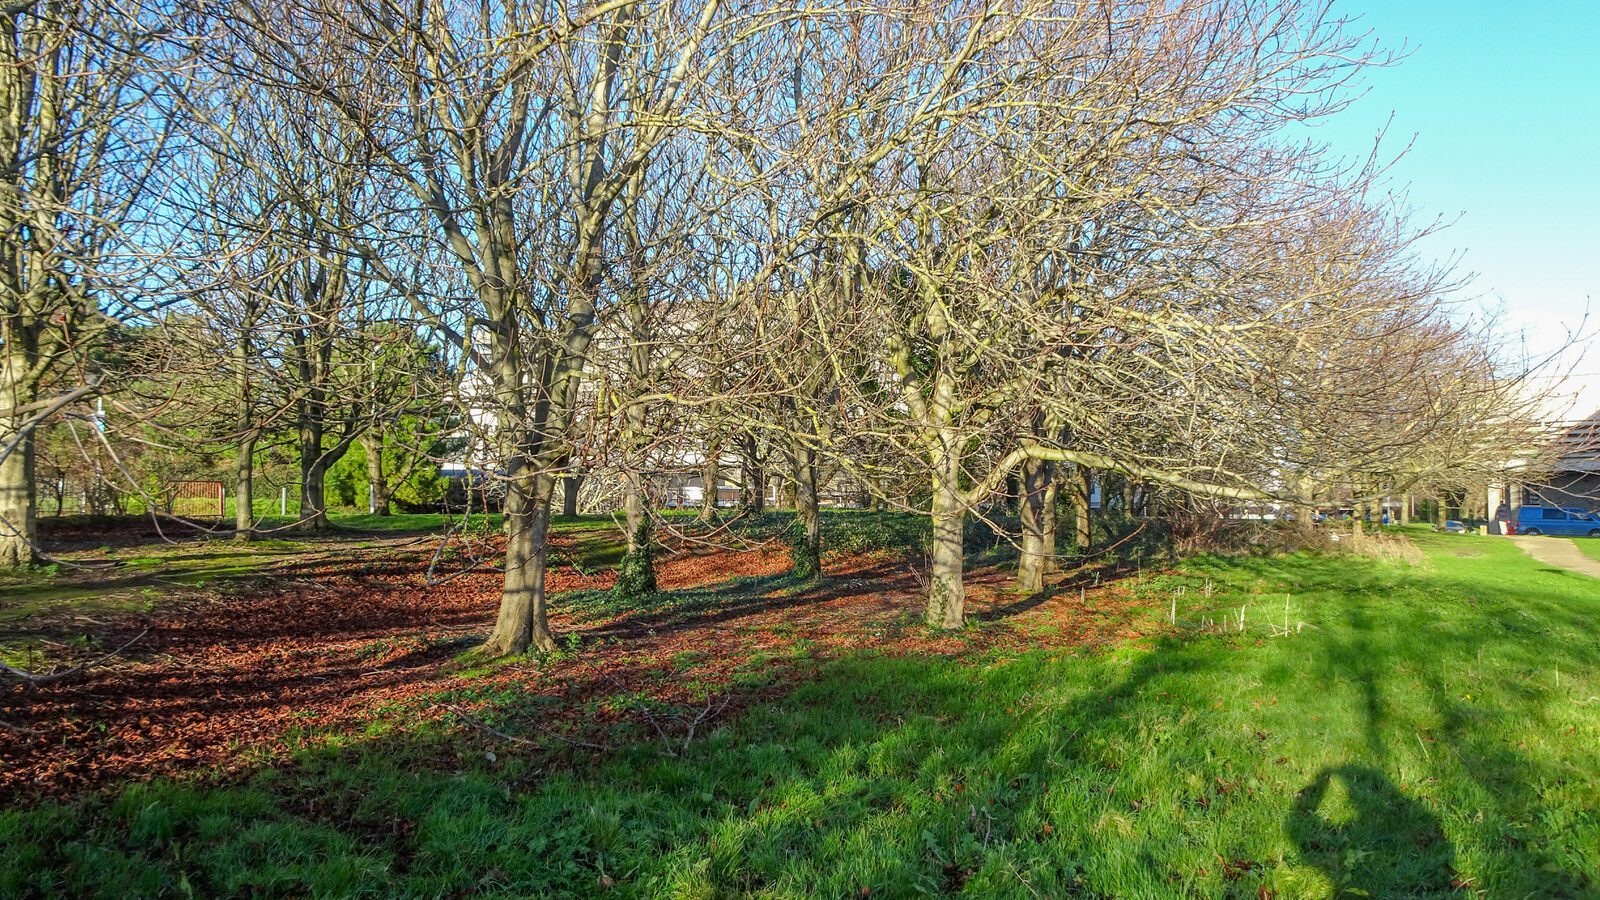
<point>1385,546</point>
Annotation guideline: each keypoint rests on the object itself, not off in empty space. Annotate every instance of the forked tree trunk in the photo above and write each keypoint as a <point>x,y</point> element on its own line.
<point>521,624</point>
<point>244,494</point>
<point>314,465</point>
<point>377,479</point>
<point>1036,550</point>
<point>947,599</point>
<point>313,495</point>
<point>806,548</point>
<point>18,524</point>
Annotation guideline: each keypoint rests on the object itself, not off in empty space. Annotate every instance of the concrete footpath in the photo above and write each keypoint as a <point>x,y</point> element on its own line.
<point>1557,551</point>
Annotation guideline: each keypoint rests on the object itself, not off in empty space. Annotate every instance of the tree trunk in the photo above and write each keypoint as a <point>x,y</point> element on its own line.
<point>1405,509</point>
<point>1082,492</point>
<point>709,479</point>
<point>636,577</point>
<point>521,623</point>
<point>313,494</point>
<point>244,468</point>
<point>18,524</point>
<point>1052,496</point>
<point>570,486</point>
<point>633,506</point>
<point>313,466</point>
<point>1304,513</point>
<point>1036,551</point>
<point>244,495</point>
<point>806,546</point>
<point>377,479</point>
<point>946,591</point>
<point>754,479</point>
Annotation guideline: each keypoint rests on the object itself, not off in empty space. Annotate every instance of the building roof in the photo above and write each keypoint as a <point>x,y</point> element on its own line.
<point>1580,446</point>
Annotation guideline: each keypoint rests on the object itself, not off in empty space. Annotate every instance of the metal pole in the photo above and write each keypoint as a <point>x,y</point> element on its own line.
<point>283,501</point>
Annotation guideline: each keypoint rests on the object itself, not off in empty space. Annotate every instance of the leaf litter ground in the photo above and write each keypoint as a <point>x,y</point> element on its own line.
<point>357,636</point>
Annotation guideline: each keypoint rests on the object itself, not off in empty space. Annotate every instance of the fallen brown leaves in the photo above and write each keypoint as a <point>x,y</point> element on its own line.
<point>224,684</point>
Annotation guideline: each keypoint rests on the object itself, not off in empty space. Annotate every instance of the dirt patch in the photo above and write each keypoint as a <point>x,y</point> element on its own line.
<point>225,684</point>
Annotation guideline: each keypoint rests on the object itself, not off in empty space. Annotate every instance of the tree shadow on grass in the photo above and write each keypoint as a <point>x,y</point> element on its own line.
<point>1109,775</point>
<point>1371,840</point>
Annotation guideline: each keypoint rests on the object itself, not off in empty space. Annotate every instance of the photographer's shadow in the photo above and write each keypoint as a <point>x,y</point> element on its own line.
<point>1374,841</point>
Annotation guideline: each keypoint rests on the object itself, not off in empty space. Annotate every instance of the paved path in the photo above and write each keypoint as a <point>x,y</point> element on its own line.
<point>1557,551</point>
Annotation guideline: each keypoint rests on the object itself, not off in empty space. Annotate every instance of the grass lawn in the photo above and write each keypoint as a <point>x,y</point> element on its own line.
<point>1589,546</point>
<point>1426,730</point>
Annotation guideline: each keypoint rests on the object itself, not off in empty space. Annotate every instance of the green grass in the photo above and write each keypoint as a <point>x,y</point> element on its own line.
<point>1424,726</point>
<point>1589,546</point>
<point>129,578</point>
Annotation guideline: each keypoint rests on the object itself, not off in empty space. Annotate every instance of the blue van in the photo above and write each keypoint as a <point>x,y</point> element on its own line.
<point>1549,520</point>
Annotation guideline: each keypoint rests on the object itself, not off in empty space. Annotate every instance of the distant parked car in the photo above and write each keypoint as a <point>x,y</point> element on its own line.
<point>1454,527</point>
<point>1550,520</point>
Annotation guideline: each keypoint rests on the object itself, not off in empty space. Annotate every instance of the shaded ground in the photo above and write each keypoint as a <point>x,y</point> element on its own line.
<point>328,639</point>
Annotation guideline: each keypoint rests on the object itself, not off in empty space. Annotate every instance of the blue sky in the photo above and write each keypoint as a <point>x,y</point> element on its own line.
<point>1501,103</point>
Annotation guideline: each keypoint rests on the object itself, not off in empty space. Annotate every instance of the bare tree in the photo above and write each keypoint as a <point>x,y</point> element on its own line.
<point>81,141</point>
<point>1085,242</point>
<point>515,135</point>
